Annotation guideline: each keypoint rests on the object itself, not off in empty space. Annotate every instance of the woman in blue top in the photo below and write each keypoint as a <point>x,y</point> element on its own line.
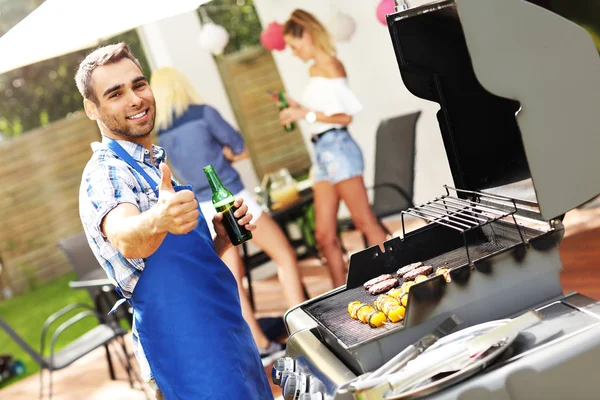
<point>195,135</point>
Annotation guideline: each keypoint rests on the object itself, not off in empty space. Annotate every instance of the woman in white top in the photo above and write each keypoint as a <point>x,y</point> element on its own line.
<point>329,105</point>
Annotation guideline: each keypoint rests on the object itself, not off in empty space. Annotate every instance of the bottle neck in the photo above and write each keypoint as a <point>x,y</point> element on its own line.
<point>213,181</point>
<point>282,101</point>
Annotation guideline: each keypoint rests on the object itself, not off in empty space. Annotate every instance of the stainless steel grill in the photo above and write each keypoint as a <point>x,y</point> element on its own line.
<point>331,312</point>
<point>516,171</point>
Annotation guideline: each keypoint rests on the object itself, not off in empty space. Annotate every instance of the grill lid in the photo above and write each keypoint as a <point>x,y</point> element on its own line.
<point>518,88</point>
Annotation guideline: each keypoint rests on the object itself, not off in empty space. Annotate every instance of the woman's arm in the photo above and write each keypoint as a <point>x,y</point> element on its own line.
<point>232,157</point>
<point>222,131</point>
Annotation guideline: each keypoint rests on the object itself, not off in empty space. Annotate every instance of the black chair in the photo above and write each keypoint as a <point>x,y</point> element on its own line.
<point>92,277</point>
<point>394,169</point>
<point>102,335</point>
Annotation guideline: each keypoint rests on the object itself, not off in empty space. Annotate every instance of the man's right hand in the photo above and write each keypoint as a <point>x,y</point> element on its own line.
<point>175,212</point>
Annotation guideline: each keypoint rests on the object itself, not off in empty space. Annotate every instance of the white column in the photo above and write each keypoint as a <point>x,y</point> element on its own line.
<point>173,42</point>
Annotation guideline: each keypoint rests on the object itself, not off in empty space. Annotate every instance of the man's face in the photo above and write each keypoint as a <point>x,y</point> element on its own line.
<point>126,105</point>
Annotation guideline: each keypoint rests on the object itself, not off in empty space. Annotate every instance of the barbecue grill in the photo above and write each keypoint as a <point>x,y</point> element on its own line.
<point>518,88</point>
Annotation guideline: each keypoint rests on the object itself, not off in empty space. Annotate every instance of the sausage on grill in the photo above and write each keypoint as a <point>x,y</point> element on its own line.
<point>376,280</point>
<point>408,268</point>
<point>383,286</point>
<point>424,270</point>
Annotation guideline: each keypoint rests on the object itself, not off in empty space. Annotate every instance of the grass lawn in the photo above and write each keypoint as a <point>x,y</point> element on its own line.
<point>27,312</point>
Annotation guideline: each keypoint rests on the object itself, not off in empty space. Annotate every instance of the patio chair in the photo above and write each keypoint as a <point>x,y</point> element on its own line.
<point>107,332</point>
<point>394,169</point>
<point>92,277</point>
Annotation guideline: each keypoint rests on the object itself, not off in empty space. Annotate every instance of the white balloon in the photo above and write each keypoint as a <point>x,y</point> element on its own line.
<point>342,26</point>
<point>213,38</point>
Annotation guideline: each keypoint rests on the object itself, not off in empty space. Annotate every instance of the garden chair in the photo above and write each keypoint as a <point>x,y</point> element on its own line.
<point>92,277</point>
<point>107,332</point>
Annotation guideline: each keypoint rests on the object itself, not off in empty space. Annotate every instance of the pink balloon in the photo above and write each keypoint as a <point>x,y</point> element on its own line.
<point>385,7</point>
<point>272,37</point>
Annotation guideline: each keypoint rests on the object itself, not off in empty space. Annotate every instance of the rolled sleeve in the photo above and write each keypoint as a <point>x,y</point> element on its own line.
<point>223,132</point>
<point>107,186</point>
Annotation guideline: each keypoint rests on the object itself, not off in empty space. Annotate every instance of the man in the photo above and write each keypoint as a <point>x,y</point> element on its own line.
<point>148,234</point>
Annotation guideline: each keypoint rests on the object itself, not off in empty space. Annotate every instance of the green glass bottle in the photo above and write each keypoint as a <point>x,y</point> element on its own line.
<point>223,200</point>
<point>283,104</point>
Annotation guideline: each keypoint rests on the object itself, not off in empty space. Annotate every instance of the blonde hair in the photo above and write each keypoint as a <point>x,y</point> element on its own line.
<point>301,21</point>
<point>173,93</point>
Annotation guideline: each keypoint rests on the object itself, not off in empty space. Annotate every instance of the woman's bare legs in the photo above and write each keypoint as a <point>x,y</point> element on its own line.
<point>354,194</point>
<point>233,260</point>
<point>327,202</point>
<point>269,237</point>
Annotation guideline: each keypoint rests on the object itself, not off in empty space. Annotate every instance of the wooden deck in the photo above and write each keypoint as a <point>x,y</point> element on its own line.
<point>88,378</point>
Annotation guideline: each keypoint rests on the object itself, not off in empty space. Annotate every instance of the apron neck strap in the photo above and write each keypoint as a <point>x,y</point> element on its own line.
<point>125,156</point>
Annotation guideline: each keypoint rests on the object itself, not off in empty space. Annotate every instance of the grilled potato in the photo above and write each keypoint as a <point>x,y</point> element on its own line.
<point>406,286</point>
<point>363,312</point>
<point>404,300</point>
<point>383,299</point>
<point>396,293</point>
<point>396,313</point>
<point>445,272</point>
<point>377,319</point>
<point>353,308</point>
<point>420,278</point>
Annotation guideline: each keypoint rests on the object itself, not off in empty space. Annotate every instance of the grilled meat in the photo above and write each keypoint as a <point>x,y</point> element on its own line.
<point>424,270</point>
<point>376,280</point>
<point>383,286</point>
<point>408,268</point>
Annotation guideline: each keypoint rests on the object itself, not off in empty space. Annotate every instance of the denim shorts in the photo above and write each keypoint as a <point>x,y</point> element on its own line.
<point>337,157</point>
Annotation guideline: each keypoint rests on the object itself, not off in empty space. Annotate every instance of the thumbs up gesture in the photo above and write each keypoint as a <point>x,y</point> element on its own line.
<point>176,212</point>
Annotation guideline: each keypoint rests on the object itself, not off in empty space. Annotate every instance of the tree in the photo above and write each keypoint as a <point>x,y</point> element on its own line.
<point>38,94</point>
<point>239,18</point>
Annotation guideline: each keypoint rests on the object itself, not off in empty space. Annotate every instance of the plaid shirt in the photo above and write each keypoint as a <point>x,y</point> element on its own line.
<point>108,181</point>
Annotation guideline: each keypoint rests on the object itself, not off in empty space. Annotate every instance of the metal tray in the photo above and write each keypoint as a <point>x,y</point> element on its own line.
<point>431,386</point>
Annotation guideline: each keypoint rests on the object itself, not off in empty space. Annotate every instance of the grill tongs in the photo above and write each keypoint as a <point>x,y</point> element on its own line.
<point>406,355</point>
<point>455,358</point>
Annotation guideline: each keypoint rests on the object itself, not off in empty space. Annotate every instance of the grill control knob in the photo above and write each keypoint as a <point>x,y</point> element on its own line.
<point>294,385</point>
<point>311,396</point>
<point>285,364</point>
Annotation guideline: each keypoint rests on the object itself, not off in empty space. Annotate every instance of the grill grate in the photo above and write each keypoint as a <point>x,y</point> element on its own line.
<point>463,215</point>
<point>460,214</point>
<point>332,312</point>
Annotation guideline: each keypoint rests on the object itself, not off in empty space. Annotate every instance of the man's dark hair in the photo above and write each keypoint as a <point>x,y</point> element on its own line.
<point>102,56</point>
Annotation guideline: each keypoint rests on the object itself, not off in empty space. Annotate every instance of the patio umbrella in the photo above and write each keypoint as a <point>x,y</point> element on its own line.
<point>59,27</point>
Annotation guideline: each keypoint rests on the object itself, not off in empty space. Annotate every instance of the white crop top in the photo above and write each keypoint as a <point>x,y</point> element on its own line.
<point>330,96</point>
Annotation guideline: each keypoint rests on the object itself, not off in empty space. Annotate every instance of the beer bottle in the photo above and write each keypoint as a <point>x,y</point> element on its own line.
<point>283,104</point>
<point>222,200</point>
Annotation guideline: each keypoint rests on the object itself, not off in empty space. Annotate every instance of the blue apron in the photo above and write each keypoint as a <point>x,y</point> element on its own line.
<point>188,317</point>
